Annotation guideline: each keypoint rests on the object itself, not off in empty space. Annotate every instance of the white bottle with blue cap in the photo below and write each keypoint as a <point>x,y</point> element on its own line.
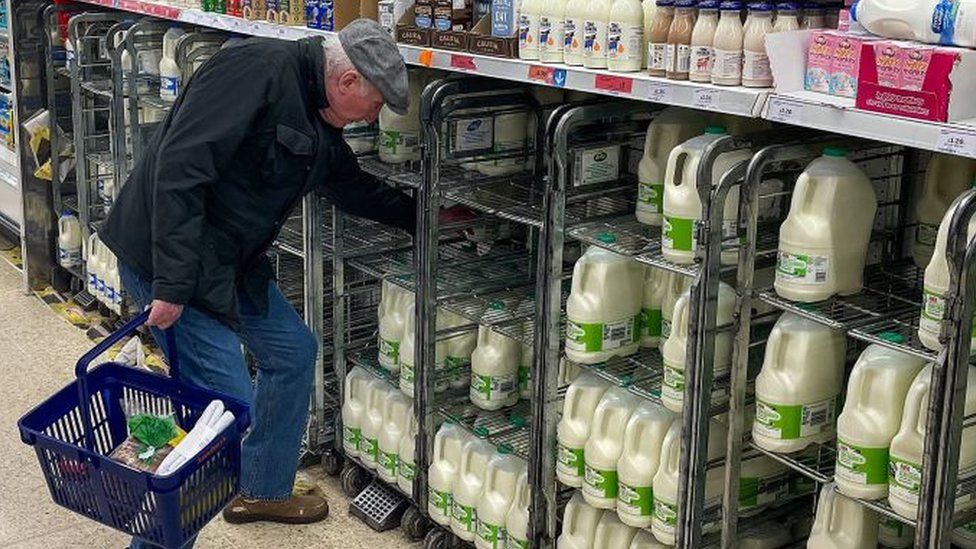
<point>625,36</point>
<point>169,71</point>
<point>69,241</point>
<point>786,17</point>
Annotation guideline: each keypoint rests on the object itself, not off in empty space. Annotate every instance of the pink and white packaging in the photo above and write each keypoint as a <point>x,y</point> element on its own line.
<point>820,61</point>
<point>846,60</point>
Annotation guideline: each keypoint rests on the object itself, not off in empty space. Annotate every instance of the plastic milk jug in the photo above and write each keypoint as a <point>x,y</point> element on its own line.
<point>407,454</point>
<point>595,34</point>
<point>102,260</point>
<point>459,348</point>
<point>92,264</point>
<point>443,471</point>
<point>842,523</point>
<point>671,127</point>
<point>682,206</point>
<point>638,462</point>
<point>676,286</point>
<point>399,136</point>
<point>377,393</point>
<point>905,469</point>
<point>470,482</point>
<point>655,288</point>
<point>604,305</point>
<point>69,241</point>
<point>646,540</point>
<point>552,32</point>
<point>517,521</point>
<point>798,388</point>
<point>116,294</point>
<point>392,318</point>
<point>946,177</point>
<point>408,370</point>
<point>354,408</point>
<point>931,21</point>
<point>675,347</point>
<point>580,521</point>
<point>574,25</point>
<point>824,240</point>
<point>494,370</point>
<point>625,36</point>
<point>896,534</point>
<point>936,285</point>
<point>525,372</point>
<point>573,429</point>
<point>762,480</point>
<point>611,533</point>
<point>497,498</point>
<point>871,417</point>
<point>169,71</point>
<point>603,448</point>
<point>395,423</point>
<point>528,30</point>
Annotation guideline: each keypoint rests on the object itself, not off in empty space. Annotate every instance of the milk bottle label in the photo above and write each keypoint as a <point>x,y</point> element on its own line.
<point>528,31</point>
<point>756,491</point>
<point>727,64</point>
<point>933,310</point>
<point>666,515</point>
<point>810,269</point>
<point>511,542</point>
<point>524,378</point>
<point>679,233</point>
<point>925,234</point>
<point>369,449</point>
<point>466,516</point>
<point>665,328</point>
<point>551,34</point>
<point>904,480</point>
<point>68,257</point>
<point>600,483</point>
<point>650,322</point>
<point>407,470</point>
<point>788,421</point>
<point>624,41</point>
<point>591,337</point>
<point>650,197</point>
<point>169,87</point>
<point>570,39</point>
<point>351,438</point>
<point>591,42</point>
<point>442,502</point>
<point>755,66</point>
<point>596,165</point>
<point>407,373</point>
<point>395,141</point>
<point>457,365</point>
<point>389,351</point>
<point>492,534</point>
<point>701,59</point>
<point>860,464</point>
<point>569,461</point>
<point>657,56</point>
<point>635,500</point>
<point>673,386</point>
<point>388,461</point>
<point>492,388</point>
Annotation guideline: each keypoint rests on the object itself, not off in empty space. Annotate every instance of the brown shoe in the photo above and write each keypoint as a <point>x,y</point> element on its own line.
<point>298,509</point>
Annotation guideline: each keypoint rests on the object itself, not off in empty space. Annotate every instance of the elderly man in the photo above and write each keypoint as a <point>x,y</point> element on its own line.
<point>258,127</point>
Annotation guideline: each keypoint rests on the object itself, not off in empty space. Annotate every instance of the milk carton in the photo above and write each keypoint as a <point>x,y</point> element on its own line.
<point>497,498</point>
<point>407,456</point>
<point>353,409</point>
<point>395,424</point>
<point>494,370</point>
<point>639,461</point>
<point>69,241</point>
<point>946,177</point>
<point>377,393</point>
<point>469,485</point>
<point>671,127</point>
<point>842,523</point>
<point>603,448</point>
<point>517,522</point>
<point>820,59</point>
<point>674,289</point>
<point>613,534</point>
<point>579,524</point>
<point>443,472</point>
<point>655,288</point>
<point>573,429</point>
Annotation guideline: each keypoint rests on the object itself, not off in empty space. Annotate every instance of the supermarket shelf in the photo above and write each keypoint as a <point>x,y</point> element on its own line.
<point>101,88</point>
<point>408,171</point>
<point>508,426</point>
<point>642,373</point>
<point>70,202</point>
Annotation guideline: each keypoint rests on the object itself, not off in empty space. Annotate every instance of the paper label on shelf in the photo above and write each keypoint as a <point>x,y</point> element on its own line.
<point>707,98</point>
<point>727,64</point>
<point>679,233</point>
<point>904,480</point>
<point>442,502</point>
<point>615,84</point>
<point>673,385</point>
<point>650,197</point>
<point>492,534</point>
<point>389,352</point>
<point>860,464</point>
<point>369,449</point>
<point>465,516</point>
<point>596,165</point>
<point>665,515</point>
<point>785,111</point>
<point>601,483</point>
<point>474,134</point>
<point>637,501</point>
<point>788,422</point>
<point>594,337</point>
<point>569,461</point>
<point>388,461</point>
<point>351,438</point>
<point>660,93</point>
<point>925,233</point>
<point>657,56</point>
<point>493,388</point>
<point>407,470</point>
<point>956,141</point>
<point>809,269</point>
<point>463,62</point>
<point>650,322</point>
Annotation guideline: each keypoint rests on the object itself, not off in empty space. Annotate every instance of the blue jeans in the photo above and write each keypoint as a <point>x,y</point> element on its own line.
<point>211,356</point>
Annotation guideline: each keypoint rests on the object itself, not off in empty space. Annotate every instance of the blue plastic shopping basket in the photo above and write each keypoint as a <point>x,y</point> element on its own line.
<point>73,443</point>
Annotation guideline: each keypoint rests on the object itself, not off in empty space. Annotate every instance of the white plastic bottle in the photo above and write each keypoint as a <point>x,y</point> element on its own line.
<point>682,205</point>
<point>580,521</point>
<point>625,36</point>
<point>798,389</point>
<point>646,540</point>
<point>639,461</point>
<point>392,318</point>
<point>573,429</point>
<point>675,288</point>
<point>573,27</point>
<point>443,471</point>
<point>497,497</point>
<point>494,370</point>
<point>871,417</point>
<point>824,240</point>
<point>727,43</point>
<point>395,424</point>
<point>354,408</point>
<point>655,287</point>
<point>756,72</point>
<point>595,34</point>
<point>169,71</point>
<point>552,31</point>
<point>92,264</point>
<point>702,42</point>
<point>611,533</point>
<point>946,177</point>
<point>459,348</point>
<point>407,355</point>
<point>407,456</point>
<point>906,458</point>
<point>517,521</point>
<point>842,523</point>
<point>377,393</point>
<point>896,534</point>
<point>671,127</point>
<point>117,296</point>
<point>469,484</point>
<point>929,21</point>
<point>649,7</point>
<point>399,135</point>
<point>603,448</point>
<point>69,241</point>
<point>762,481</point>
<point>604,305</point>
<point>786,17</point>
<point>528,33</point>
<point>674,349</point>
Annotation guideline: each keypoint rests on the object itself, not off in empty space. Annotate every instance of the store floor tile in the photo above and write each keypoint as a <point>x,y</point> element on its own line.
<point>37,355</point>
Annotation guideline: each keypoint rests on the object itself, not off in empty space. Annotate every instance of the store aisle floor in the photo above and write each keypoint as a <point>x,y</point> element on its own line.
<point>37,355</point>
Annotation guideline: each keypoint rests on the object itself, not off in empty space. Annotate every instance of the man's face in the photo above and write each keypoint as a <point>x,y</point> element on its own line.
<point>351,99</point>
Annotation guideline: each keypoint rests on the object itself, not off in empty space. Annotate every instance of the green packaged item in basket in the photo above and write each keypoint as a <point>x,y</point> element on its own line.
<point>151,438</point>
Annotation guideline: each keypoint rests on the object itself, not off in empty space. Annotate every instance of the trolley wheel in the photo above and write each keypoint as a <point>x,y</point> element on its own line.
<point>332,463</point>
<point>439,539</point>
<point>353,480</point>
<point>414,524</point>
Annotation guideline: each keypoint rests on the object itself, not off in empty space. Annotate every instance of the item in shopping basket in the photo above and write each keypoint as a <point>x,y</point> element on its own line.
<point>353,409</point>
<point>639,461</point>
<point>517,520</point>
<point>611,533</point>
<point>494,369</point>
<point>501,484</point>
<point>468,486</point>
<point>573,429</point>
<point>842,523</point>
<point>552,31</point>
<point>580,521</point>
<point>657,40</point>
<point>625,36</point>
<point>604,446</point>
<point>395,425</point>
<point>678,53</point>
<point>442,475</point>
<point>727,43</point>
<point>151,438</point>
<point>212,422</point>
<point>573,27</point>
<point>655,288</point>
<point>946,177</point>
<point>756,72</point>
<point>702,42</point>
<point>595,34</point>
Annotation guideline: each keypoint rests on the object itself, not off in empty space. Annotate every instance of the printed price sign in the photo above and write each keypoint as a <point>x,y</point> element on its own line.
<point>706,98</point>
<point>785,111</point>
<point>463,62</point>
<point>659,93</point>
<point>614,84</point>
<point>959,142</point>
<point>549,76</point>
<point>426,58</point>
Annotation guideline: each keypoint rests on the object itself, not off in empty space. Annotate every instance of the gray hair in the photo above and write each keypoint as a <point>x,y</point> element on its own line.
<point>337,61</point>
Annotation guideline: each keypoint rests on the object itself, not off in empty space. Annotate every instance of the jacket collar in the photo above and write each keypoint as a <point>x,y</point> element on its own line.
<point>313,70</point>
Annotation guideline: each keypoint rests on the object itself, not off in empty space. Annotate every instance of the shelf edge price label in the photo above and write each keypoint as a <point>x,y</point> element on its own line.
<point>707,98</point>
<point>426,58</point>
<point>957,141</point>
<point>613,84</point>
<point>660,93</point>
<point>462,62</point>
<point>550,76</point>
<point>785,111</point>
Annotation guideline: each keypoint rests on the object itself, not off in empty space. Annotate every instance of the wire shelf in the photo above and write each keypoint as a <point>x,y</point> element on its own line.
<point>290,238</point>
<point>816,461</point>
<point>372,165</point>
<point>362,236</point>
<point>153,100</point>
<point>633,239</point>
<point>509,426</point>
<point>642,373</point>
<point>366,358</point>
<point>506,199</point>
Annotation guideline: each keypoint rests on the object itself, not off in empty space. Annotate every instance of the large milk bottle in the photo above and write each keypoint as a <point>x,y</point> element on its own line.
<point>604,305</point>
<point>603,448</point>
<point>407,356</point>
<point>395,423</point>
<point>674,289</point>
<point>625,36</point>
<point>611,533</point>
<point>528,29</point>
<point>682,205</point>
<point>638,462</point>
<point>595,34</point>
<point>842,523</point>
<point>675,347</point>
<point>392,312</point>
<point>655,288</point>
<point>459,348</point>
<point>354,408</point>
<point>871,417</point>
<point>906,461</point>
<point>931,21</point>
<point>69,241</point>
<point>936,285</point>
<point>377,393</point>
<point>646,540</point>
<point>671,127</point>
<point>573,429</point>
<point>574,23</point>
<point>169,71</point>
<point>823,242</point>
<point>399,136</point>
<point>517,521</point>
<point>443,471</point>
<point>470,482</point>
<point>407,455</point>
<point>946,177</point>
<point>580,521</point>
<point>798,388</point>
<point>92,263</point>
<point>501,485</point>
<point>494,370</point>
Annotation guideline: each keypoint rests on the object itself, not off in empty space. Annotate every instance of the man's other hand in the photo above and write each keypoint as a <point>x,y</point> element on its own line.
<point>164,314</point>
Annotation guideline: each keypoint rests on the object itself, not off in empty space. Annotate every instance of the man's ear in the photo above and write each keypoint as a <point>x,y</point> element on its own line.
<point>348,79</point>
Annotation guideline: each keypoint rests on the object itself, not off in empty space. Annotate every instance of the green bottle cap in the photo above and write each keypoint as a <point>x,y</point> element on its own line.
<point>517,420</point>
<point>606,238</point>
<point>481,432</point>
<point>497,305</point>
<point>892,337</point>
<point>504,449</point>
<point>715,130</point>
<point>625,380</point>
<point>836,152</point>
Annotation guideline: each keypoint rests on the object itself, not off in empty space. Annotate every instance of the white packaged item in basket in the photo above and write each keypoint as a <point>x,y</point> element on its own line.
<point>603,448</point>
<point>212,422</point>
<point>573,429</point>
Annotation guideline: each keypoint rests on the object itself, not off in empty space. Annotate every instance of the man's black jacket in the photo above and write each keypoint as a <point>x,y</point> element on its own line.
<point>241,146</point>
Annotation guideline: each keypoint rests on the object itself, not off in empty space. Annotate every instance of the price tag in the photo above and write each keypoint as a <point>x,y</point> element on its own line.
<point>956,141</point>
<point>549,76</point>
<point>462,62</point>
<point>426,58</point>
<point>706,98</point>
<point>659,93</point>
<point>785,111</point>
<point>614,84</point>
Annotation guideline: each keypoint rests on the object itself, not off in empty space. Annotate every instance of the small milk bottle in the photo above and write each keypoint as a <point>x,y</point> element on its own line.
<point>678,52</point>
<point>580,521</point>
<point>494,370</point>
<point>395,423</point>
<point>611,533</point>
<point>655,287</point>
<point>786,17</point>
<point>377,394</point>
<point>573,429</point>
<point>625,36</point>
<point>169,71</point>
<point>517,521</point>
<point>92,264</point>
<point>871,417</point>
<point>702,39</point>
<point>407,456</point>
<point>649,7</point>
<point>946,177</point>
<point>671,127</point>
<point>69,241</point>
<point>842,523</point>
<point>674,289</point>
<point>353,409</point>
<point>469,484</point>
<point>755,63</point>
<point>657,42</point>
<point>595,34</point>
<point>497,498</point>
<point>799,386</point>
<point>552,31</point>
<point>443,472</point>
<point>606,442</point>
<point>528,32</point>
<point>573,27</point>
<point>638,462</point>
<point>727,44</point>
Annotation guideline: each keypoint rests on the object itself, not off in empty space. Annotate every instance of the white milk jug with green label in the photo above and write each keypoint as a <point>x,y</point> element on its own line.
<point>896,534</point>
<point>408,370</point>
<point>552,34</point>
<point>509,139</point>
<point>580,521</point>
<point>762,481</point>
<point>392,312</point>
<point>667,478</point>
<point>799,387</point>
<point>595,34</point>
<point>573,430</point>
<point>354,408</point>
<point>497,497</point>
<point>604,305</point>
<point>443,472</point>
<point>675,348</point>
<point>676,286</point>
<point>871,417</point>
<point>946,177</point>
<point>458,348</point>
<point>638,462</point>
<point>494,370</point>
<point>625,36</point>
<point>377,393</point>
<point>842,523</point>
<point>905,468</point>
<point>646,540</point>
<point>525,371</point>
<point>671,127</point>
<point>573,28</point>
<point>395,423</point>
<point>655,288</point>
<point>399,135</point>
<point>517,521</point>
<point>603,448</point>
<point>823,242</point>
<point>69,241</point>
<point>469,484</point>
<point>936,285</point>
<point>407,463</point>
<point>965,536</point>
<point>611,533</point>
<point>682,205</point>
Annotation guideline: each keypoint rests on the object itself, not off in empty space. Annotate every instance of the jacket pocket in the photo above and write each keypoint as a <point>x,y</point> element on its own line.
<point>217,281</point>
<point>294,141</point>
